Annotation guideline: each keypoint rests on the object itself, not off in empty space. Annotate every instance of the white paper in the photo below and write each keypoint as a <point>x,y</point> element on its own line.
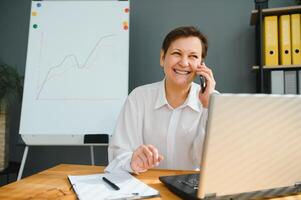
<point>89,187</point>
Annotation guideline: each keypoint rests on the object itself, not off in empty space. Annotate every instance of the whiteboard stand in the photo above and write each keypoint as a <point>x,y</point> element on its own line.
<point>86,140</point>
<point>92,155</point>
<point>57,108</point>
<point>22,163</point>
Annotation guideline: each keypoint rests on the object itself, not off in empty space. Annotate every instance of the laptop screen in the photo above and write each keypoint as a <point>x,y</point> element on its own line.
<point>253,142</point>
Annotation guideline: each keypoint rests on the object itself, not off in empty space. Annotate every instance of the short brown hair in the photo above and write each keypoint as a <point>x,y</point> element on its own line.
<point>185,31</point>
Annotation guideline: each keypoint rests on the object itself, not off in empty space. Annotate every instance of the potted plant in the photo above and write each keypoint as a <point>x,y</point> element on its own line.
<point>10,91</point>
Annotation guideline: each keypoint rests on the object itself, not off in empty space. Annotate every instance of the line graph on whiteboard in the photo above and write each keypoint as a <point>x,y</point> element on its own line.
<point>75,75</point>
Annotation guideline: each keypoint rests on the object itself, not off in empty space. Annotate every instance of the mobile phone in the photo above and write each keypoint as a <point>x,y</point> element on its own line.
<point>203,83</point>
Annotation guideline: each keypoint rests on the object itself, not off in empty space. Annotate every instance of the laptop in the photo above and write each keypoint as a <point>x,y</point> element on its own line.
<point>251,150</point>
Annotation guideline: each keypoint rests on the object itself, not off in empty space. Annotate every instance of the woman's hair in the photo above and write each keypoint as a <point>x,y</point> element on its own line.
<point>184,32</point>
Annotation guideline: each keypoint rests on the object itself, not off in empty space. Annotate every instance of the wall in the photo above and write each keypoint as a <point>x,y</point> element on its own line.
<point>231,55</point>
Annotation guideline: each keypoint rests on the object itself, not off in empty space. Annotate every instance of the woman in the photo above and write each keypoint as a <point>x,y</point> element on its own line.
<point>162,124</point>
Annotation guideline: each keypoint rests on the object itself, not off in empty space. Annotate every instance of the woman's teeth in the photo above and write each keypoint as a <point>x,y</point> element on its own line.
<point>181,72</point>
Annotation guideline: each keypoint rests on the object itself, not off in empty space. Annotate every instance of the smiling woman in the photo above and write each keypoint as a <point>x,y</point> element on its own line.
<point>180,63</point>
<point>162,124</point>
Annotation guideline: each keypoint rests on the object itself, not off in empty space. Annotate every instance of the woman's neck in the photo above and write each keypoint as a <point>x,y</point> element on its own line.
<point>175,95</point>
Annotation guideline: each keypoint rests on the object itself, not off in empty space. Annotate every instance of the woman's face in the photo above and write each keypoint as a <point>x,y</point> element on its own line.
<point>181,60</point>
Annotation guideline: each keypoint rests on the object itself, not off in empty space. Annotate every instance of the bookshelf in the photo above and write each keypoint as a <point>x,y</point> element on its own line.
<point>274,11</point>
<point>263,71</point>
<point>278,67</point>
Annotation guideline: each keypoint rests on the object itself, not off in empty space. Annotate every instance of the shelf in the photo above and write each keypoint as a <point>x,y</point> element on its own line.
<point>274,11</point>
<point>279,67</point>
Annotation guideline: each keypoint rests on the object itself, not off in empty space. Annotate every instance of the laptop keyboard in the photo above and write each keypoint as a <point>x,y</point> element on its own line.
<point>185,186</point>
<point>193,183</point>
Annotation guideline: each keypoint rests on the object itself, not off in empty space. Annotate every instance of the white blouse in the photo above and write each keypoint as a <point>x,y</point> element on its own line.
<point>147,118</point>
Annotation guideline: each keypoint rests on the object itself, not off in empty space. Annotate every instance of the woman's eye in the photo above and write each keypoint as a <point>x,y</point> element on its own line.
<point>194,56</point>
<point>175,53</point>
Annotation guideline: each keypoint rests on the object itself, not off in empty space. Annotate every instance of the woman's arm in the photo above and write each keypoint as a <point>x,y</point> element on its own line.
<point>126,137</point>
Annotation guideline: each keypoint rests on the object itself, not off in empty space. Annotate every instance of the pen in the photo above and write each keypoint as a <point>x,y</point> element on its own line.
<point>113,185</point>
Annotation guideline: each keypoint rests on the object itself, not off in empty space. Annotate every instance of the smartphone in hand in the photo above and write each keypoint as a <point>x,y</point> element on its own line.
<point>203,83</point>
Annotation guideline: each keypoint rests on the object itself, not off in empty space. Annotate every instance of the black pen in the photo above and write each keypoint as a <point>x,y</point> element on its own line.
<point>113,185</point>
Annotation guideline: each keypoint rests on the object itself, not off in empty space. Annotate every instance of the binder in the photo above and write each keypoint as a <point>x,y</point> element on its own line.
<point>285,40</point>
<point>290,82</point>
<point>277,82</point>
<point>296,39</point>
<point>299,81</point>
<point>270,38</point>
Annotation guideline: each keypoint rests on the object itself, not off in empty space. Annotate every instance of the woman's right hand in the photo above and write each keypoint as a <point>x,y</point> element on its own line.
<point>144,158</point>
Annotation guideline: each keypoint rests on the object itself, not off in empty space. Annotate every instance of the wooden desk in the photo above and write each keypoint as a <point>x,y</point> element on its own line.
<point>53,183</point>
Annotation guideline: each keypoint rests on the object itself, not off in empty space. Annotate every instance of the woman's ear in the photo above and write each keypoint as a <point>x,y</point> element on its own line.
<point>161,57</point>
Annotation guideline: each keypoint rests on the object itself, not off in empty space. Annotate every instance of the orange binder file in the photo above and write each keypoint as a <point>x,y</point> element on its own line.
<point>285,39</point>
<point>270,37</point>
<point>296,38</point>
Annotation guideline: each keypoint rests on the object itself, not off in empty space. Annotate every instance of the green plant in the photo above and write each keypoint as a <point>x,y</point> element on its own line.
<point>11,87</point>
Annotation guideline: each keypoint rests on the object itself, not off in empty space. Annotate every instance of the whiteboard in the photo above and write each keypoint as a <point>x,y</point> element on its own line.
<point>76,77</point>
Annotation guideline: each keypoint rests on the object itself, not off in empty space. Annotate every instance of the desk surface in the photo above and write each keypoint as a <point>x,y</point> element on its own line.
<point>53,183</point>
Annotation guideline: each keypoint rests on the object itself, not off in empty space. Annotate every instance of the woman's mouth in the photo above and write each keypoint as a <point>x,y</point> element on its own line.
<point>181,72</point>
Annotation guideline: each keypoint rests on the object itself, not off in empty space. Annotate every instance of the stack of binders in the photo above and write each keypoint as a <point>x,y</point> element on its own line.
<point>282,44</point>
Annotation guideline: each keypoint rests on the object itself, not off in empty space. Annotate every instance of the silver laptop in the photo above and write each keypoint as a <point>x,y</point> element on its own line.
<point>252,147</point>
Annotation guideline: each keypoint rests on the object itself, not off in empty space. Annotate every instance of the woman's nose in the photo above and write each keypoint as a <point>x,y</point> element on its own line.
<point>184,62</point>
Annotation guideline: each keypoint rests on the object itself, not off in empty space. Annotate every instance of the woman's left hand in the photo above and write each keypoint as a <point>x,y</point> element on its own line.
<point>204,97</point>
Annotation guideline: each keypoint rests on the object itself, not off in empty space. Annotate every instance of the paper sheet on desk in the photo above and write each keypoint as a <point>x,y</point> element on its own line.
<point>89,187</point>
